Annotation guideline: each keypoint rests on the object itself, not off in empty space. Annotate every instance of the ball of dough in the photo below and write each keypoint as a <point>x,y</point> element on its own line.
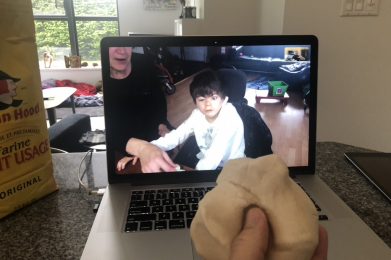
<point>263,182</point>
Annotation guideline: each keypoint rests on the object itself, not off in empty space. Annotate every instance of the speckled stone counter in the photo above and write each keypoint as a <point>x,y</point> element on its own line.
<point>353,188</point>
<point>57,226</point>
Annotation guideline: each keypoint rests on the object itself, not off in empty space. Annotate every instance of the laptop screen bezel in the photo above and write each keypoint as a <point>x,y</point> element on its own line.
<point>157,41</point>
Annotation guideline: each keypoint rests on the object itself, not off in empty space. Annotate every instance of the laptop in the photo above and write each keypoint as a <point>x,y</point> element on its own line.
<point>376,167</point>
<point>124,228</point>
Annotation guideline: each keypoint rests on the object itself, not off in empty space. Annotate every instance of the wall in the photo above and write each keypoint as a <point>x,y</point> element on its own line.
<point>86,75</point>
<point>271,16</point>
<point>354,71</point>
<point>219,17</point>
<point>133,18</point>
<point>223,17</point>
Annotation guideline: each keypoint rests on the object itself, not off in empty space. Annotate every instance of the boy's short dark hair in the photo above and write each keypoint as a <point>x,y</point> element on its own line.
<point>205,84</point>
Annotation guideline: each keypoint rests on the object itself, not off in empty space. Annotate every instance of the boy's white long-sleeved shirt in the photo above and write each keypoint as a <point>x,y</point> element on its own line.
<point>219,141</point>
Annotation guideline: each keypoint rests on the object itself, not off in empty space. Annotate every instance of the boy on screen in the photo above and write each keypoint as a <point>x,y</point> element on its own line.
<point>217,127</point>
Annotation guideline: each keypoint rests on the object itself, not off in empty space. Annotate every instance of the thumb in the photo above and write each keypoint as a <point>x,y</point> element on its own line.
<point>168,160</point>
<point>252,241</point>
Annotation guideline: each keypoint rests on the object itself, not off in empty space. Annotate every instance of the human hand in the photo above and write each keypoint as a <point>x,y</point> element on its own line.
<point>152,158</point>
<point>253,241</point>
<point>124,161</point>
<point>163,130</point>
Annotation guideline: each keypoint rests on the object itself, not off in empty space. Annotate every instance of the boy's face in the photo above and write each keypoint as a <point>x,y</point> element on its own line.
<point>210,106</point>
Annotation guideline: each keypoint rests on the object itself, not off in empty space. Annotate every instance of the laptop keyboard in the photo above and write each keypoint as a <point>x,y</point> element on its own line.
<point>164,209</point>
<point>320,215</point>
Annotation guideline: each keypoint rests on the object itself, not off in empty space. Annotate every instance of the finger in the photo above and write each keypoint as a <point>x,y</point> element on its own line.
<point>321,251</point>
<point>119,166</point>
<point>252,241</point>
<point>158,165</point>
<point>151,166</point>
<point>169,161</point>
<point>146,169</point>
<point>163,165</point>
<point>134,160</point>
<point>122,165</point>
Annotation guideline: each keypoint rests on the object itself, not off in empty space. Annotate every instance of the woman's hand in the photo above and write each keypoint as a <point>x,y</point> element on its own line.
<point>152,158</point>
<point>121,164</point>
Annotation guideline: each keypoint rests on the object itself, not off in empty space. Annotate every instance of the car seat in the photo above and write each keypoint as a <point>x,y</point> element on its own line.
<point>257,136</point>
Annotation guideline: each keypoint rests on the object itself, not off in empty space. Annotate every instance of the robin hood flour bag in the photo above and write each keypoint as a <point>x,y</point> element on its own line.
<point>26,171</point>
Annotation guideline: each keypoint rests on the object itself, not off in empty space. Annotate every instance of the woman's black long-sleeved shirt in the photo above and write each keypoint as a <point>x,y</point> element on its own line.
<point>136,105</point>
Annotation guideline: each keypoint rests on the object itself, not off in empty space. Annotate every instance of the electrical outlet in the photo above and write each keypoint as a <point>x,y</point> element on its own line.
<point>360,7</point>
<point>347,7</point>
<point>372,7</point>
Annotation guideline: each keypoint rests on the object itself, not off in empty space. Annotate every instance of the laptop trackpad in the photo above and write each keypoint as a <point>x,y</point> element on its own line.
<point>172,244</point>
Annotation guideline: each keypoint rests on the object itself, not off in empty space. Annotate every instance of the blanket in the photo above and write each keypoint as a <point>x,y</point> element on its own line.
<point>85,96</point>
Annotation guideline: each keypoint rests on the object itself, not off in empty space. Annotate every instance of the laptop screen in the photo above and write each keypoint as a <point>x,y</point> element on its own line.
<point>203,100</point>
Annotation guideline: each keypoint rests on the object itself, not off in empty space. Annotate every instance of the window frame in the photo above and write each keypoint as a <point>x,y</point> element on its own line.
<point>71,19</point>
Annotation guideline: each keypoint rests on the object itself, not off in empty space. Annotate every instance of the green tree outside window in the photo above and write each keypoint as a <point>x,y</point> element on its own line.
<point>73,27</point>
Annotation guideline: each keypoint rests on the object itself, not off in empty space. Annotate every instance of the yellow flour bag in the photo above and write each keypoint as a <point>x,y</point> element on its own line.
<point>26,171</point>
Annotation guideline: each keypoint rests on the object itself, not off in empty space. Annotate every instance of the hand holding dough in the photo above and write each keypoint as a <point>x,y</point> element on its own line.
<point>263,182</point>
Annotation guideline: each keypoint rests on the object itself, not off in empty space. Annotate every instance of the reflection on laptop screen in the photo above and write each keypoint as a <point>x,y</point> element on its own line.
<point>204,104</point>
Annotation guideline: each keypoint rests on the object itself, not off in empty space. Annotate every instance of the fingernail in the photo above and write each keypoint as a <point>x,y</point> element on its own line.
<point>253,216</point>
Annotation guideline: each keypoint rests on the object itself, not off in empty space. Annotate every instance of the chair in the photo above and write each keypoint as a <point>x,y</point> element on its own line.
<point>65,134</point>
<point>257,136</point>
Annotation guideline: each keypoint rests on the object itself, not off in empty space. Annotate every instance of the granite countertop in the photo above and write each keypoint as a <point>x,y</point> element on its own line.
<point>57,226</point>
<point>353,188</point>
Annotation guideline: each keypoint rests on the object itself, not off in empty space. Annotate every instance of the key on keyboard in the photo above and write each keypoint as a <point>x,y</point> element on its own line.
<point>163,209</point>
<point>320,216</point>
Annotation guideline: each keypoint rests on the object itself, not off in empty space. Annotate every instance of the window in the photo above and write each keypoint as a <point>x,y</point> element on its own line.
<point>73,27</point>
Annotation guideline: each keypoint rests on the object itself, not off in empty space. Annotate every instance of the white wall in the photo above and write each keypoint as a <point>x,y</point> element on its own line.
<point>224,17</point>
<point>271,16</point>
<point>231,17</point>
<point>354,86</point>
<point>133,18</point>
<point>85,75</point>
<point>219,17</point>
